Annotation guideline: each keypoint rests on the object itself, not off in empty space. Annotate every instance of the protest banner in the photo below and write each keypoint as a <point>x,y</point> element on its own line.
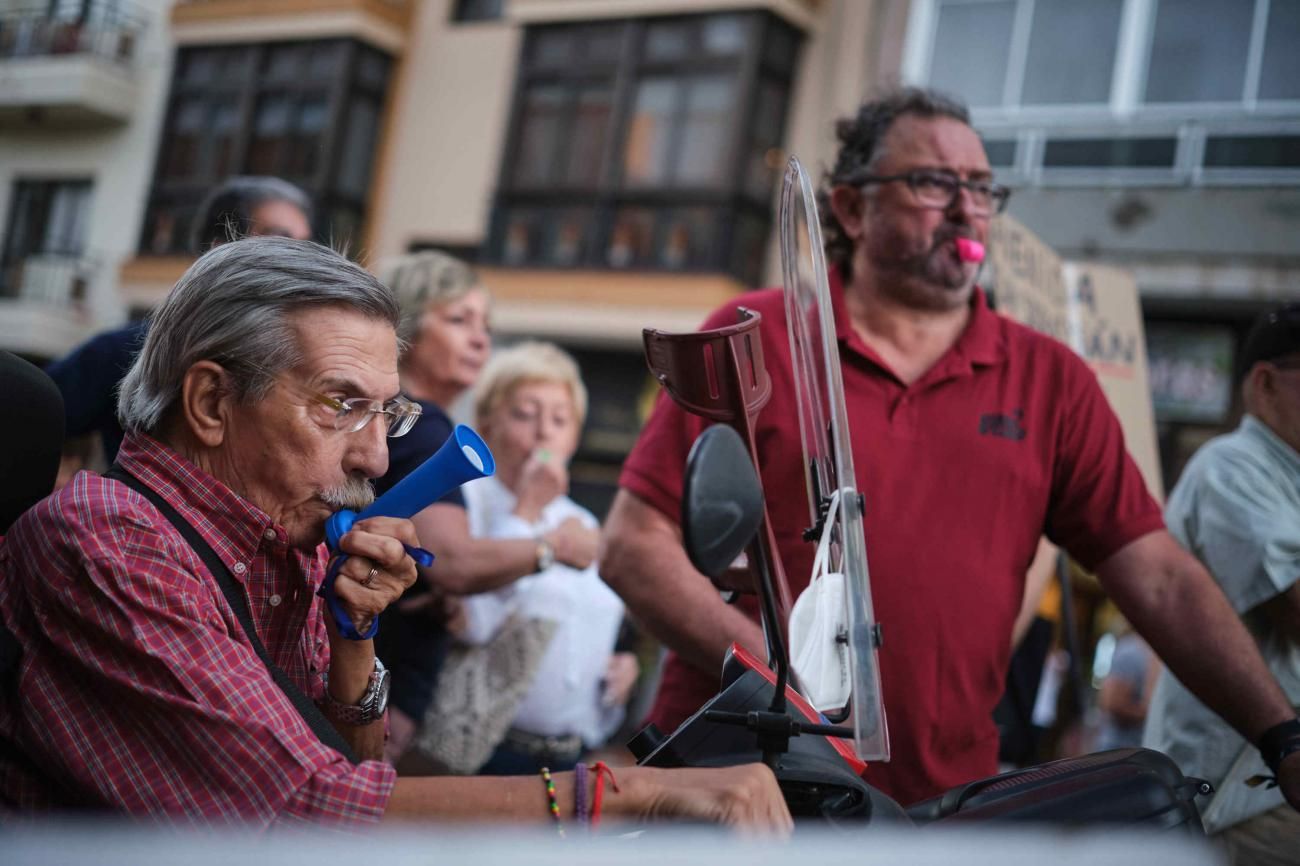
<point>1093,309</point>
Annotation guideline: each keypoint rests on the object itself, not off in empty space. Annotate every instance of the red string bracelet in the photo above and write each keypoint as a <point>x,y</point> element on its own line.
<point>601,769</point>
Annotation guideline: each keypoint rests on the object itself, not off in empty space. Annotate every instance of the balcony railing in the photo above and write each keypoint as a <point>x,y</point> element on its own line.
<point>110,30</point>
<point>50,279</point>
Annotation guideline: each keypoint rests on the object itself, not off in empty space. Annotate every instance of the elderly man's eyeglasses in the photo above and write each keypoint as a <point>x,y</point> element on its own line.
<point>940,189</point>
<point>355,413</point>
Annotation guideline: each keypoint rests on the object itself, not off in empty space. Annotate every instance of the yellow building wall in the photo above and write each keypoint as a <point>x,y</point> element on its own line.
<point>438,163</point>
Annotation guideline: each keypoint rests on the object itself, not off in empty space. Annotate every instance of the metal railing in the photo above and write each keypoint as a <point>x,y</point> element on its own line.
<point>48,278</point>
<point>104,28</point>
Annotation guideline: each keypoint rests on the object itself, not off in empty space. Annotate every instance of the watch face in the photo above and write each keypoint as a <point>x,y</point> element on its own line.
<point>381,694</point>
<point>545,556</point>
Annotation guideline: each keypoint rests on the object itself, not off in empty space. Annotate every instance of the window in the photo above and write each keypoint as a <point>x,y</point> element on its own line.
<point>477,10</point>
<point>1110,153</point>
<point>1198,51</point>
<point>1012,55</point>
<point>1253,151</point>
<point>1001,152</point>
<point>646,144</point>
<point>1071,53</point>
<point>45,233</point>
<point>305,111</point>
<point>1279,76</point>
<point>1121,91</point>
<point>1025,52</point>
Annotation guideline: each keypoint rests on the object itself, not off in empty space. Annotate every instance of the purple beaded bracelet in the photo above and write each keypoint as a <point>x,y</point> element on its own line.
<point>580,794</point>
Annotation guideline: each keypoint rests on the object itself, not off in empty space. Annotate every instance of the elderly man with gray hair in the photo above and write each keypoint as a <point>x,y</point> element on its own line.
<point>175,660</point>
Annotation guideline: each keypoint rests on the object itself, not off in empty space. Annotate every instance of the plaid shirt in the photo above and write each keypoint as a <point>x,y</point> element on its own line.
<point>136,689</point>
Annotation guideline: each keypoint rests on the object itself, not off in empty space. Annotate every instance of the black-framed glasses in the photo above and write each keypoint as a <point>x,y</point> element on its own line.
<point>355,413</point>
<point>940,189</point>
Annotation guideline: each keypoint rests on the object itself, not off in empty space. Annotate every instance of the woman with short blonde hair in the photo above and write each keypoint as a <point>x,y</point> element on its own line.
<point>530,361</point>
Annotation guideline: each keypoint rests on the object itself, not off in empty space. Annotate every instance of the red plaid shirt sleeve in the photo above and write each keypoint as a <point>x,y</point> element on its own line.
<point>135,695</point>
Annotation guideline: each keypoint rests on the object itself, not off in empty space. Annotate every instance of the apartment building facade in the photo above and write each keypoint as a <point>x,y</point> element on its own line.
<point>611,164</point>
<point>82,86</point>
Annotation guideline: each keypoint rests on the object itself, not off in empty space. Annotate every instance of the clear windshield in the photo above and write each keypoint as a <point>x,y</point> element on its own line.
<point>823,427</point>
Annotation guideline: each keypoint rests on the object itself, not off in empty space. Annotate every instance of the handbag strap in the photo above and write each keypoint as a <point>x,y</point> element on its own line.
<point>234,593</point>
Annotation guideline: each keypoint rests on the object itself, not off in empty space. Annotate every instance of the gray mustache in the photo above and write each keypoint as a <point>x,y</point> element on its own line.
<point>355,494</point>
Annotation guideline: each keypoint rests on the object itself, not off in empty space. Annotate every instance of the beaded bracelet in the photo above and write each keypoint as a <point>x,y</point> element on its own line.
<point>554,804</point>
<point>580,794</point>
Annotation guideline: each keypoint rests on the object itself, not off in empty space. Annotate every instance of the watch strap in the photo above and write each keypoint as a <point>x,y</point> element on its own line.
<point>370,708</point>
<point>545,555</point>
<point>1279,741</point>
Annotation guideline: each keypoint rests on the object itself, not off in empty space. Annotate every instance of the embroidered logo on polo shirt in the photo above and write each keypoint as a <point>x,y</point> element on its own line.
<point>1007,426</point>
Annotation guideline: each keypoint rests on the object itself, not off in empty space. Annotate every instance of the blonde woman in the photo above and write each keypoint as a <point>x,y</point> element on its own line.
<point>444,325</point>
<point>530,406</point>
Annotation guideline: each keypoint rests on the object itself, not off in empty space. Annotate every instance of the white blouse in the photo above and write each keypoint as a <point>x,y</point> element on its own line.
<point>565,697</point>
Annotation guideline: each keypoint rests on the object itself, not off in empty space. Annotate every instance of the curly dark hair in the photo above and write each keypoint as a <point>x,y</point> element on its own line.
<point>860,138</point>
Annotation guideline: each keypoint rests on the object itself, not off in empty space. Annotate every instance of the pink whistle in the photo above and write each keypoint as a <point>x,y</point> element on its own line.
<point>969,250</point>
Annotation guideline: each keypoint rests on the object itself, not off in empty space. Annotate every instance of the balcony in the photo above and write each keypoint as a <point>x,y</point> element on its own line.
<point>44,304</point>
<point>58,72</point>
<point>381,23</point>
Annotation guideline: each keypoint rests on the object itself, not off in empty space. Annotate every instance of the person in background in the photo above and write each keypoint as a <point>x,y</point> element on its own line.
<point>530,407</point>
<point>1236,507</point>
<point>89,375</point>
<point>444,325</point>
<point>1125,693</point>
<point>31,440</point>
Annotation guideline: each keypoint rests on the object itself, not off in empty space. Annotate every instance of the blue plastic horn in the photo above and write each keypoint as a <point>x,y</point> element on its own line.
<point>463,457</point>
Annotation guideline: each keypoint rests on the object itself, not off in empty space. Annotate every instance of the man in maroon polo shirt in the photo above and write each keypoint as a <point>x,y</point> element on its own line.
<point>972,436</point>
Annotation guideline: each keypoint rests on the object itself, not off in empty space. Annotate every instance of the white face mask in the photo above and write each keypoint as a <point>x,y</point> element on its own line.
<point>819,629</point>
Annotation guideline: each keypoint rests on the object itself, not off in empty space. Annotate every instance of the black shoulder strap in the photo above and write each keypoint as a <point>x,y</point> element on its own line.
<point>234,594</point>
<point>10,651</point>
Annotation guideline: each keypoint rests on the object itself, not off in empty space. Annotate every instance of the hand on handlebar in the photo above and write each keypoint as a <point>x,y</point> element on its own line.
<point>746,798</point>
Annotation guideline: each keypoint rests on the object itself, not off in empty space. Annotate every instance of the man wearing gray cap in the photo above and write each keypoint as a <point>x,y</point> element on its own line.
<point>1237,508</point>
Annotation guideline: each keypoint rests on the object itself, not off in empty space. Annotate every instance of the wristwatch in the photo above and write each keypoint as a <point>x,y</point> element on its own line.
<point>371,706</point>
<point>1278,742</point>
<point>545,554</point>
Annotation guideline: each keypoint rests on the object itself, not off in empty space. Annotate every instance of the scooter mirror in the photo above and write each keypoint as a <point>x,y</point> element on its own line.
<point>722,500</point>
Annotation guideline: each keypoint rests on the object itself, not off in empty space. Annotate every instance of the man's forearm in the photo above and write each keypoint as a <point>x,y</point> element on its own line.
<point>643,561</point>
<point>741,796</point>
<point>1173,602</point>
<point>351,664</point>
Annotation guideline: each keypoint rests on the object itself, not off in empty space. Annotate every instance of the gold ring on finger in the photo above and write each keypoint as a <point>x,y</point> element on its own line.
<point>370,578</point>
